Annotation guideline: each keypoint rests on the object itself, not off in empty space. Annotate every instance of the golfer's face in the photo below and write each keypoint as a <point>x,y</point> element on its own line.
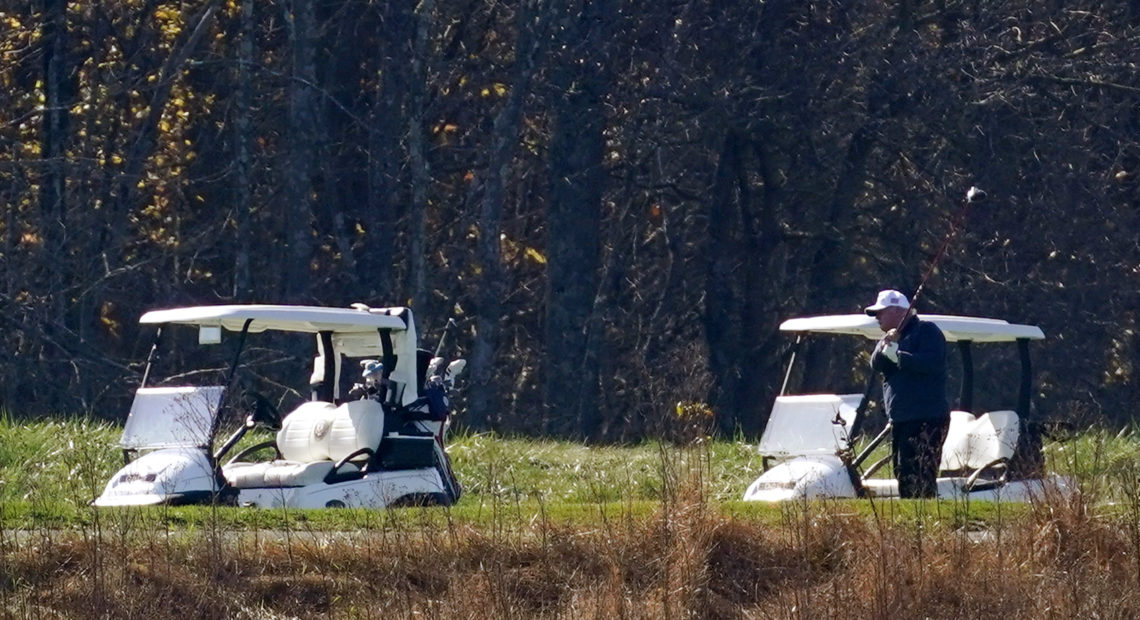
<point>890,317</point>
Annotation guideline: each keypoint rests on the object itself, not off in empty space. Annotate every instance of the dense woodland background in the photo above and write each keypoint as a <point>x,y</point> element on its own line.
<point>618,201</point>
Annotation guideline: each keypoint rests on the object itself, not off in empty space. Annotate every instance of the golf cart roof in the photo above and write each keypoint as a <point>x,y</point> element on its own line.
<point>955,328</point>
<point>307,319</point>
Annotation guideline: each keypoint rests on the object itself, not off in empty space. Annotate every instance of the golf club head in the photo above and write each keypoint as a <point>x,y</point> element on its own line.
<point>455,367</point>
<point>975,194</point>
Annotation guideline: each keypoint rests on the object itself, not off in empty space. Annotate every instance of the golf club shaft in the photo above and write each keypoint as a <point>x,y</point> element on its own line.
<point>972,195</point>
<point>442,337</point>
<point>954,226</point>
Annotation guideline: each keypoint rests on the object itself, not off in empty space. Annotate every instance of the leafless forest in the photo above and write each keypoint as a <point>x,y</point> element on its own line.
<point>618,201</point>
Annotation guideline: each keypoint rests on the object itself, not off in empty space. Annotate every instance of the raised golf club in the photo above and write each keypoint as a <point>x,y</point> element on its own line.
<point>974,195</point>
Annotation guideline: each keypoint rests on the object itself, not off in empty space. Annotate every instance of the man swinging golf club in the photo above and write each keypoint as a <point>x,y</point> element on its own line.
<point>912,358</point>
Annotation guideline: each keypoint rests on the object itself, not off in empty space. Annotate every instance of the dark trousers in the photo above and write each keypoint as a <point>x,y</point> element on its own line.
<point>917,447</point>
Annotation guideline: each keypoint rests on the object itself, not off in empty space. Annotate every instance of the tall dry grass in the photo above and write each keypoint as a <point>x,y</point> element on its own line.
<point>1065,557</point>
<point>686,561</point>
<point>1074,556</point>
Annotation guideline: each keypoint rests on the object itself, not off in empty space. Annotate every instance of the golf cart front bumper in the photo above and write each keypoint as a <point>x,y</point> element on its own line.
<point>169,476</point>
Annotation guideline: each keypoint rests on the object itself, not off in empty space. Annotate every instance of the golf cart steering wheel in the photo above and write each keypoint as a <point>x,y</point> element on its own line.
<point>262,410</point>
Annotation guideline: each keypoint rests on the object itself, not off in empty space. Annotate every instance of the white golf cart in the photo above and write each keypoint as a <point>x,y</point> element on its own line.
<point>378,445</point>
<point>808,444</point>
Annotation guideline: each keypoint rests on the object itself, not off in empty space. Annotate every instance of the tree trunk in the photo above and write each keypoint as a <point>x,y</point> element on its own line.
<point>831,284</point>
<point>483,395</point>
<point>386,152</point>
<point>302,148</point>
<point>504,138</point>
<point>53,208</point>
<point>577,180</point>
<point>243,164</point>
<point>760,311</point>
<point>722,304</point>
<point>417,151</point>
<point>334,204</point>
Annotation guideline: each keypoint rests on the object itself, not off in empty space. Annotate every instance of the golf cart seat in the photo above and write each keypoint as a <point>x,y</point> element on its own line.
<point>974,444</point>
<point>317,441</point>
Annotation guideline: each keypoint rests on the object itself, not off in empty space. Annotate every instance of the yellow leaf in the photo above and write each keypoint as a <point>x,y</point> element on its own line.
<point>536,256</point>
<point>107,319</point>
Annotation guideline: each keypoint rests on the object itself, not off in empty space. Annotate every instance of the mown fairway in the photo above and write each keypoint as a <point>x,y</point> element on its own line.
<point>556,529</point>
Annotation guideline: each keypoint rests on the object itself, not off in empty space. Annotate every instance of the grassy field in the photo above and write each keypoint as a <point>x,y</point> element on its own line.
<point>51,470</point>
<point>560,530</point>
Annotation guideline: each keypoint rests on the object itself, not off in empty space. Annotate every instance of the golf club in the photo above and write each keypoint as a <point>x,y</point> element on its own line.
<point>451,324</point>
<point>974,195</point>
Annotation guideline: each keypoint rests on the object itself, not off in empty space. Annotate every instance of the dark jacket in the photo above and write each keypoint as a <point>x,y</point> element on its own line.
<point>915,388</point>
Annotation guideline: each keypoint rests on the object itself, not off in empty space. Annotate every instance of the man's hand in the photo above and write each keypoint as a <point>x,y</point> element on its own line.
<point>890,350</point>
<point>892,335</point>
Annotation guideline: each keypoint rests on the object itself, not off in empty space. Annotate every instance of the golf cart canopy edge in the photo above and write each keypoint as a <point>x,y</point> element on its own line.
<point>307,319</point>
<point>389,333</point>
<point>955,328</point>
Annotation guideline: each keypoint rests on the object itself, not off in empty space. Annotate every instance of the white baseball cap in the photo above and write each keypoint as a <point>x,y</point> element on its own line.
<point>888,299</point>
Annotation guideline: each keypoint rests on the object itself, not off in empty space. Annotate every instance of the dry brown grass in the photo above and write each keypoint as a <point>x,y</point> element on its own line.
<point>1060,560</point>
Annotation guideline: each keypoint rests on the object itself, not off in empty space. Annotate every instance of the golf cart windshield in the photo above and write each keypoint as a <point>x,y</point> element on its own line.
<point>171,417</point>
<point>805,425</point>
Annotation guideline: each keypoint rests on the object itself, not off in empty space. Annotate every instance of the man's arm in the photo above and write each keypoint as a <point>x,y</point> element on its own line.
<point>927,354</point>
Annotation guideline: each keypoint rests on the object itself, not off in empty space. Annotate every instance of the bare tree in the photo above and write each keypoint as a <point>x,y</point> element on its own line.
<point>53,206</point>
<point>531,42</point>
<point>243,156</point>
<point>418,156</point>
<point>302,150</point>
<point>573,216</point>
